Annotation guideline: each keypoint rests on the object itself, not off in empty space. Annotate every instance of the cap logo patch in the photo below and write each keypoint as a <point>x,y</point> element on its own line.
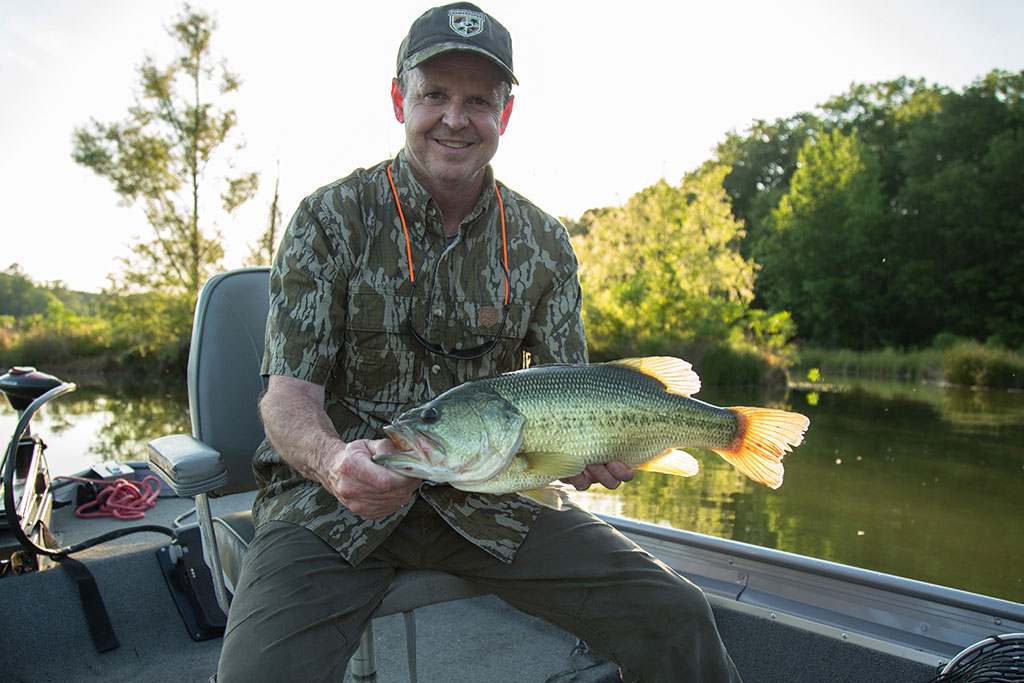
<point>466,22</point>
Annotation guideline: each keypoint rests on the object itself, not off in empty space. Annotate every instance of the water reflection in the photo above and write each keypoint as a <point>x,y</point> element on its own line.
<point>104,420</point>
<point>908,479</point>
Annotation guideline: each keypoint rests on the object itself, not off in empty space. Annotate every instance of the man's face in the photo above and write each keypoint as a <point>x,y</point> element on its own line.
<point>454,111</point>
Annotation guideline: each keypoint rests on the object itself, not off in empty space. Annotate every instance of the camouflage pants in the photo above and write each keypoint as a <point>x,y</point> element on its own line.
<point>300,608</point>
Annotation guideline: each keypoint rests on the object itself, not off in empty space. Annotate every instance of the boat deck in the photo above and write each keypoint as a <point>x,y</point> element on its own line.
<point>45,637</point>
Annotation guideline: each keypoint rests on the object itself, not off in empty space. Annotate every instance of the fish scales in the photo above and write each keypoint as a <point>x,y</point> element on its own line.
<point>605,412</point>
<point>522,430</point>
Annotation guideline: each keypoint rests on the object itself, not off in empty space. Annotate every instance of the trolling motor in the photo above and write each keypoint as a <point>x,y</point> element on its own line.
<point>25,494</point>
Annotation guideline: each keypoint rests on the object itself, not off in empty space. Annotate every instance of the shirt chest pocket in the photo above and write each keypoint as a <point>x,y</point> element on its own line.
<point>376,360</point>
<point>487,324</point>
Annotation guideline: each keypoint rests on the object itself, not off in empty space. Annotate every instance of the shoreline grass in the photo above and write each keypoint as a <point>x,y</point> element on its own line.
<point>963,363</point>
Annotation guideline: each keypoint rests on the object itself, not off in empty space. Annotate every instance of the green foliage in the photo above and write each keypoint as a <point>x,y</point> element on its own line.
<point>882,114</point>
<point>762,162</point>
<point>161,155</point>
<point>144,333</point>
<point>962,225</point>
<point>973,364</point>
<point>58,336</point>
<point>883,363</point>
<point>19,295</point>
<point>823,259</point>
<point>150,331</point>
<point>961,362</point>
<point>664,272</point>
<point>894,216</point>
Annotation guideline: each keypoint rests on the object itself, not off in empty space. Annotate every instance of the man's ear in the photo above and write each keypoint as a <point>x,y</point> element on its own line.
<point>506,114</point>
<point>396,101</point>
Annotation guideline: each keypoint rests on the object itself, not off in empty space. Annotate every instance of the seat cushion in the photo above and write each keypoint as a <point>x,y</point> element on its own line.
<point>189,466</point>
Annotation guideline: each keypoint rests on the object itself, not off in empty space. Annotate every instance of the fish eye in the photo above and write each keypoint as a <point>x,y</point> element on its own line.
<point>430,415</point>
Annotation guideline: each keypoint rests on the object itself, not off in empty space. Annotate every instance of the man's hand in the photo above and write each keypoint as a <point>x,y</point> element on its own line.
<point>296,424</point>
<point>610,475</point>
<point>364,487</point>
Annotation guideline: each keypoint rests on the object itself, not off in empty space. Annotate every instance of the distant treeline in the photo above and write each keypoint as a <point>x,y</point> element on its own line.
<point>891,217</point>
<point>20,296</point>
<point>50,326</point>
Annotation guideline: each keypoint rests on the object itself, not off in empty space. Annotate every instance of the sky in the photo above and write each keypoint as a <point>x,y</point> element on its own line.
<point>611,99</point>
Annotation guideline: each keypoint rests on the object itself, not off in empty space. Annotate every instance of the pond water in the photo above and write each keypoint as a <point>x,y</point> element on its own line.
<point>915,480</point>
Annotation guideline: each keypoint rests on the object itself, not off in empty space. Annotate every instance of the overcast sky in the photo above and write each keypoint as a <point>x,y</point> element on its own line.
<point>612,98</point>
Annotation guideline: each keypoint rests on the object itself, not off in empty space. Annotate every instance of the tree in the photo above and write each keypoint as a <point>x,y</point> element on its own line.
<point>665,268</point>
<point>160,156</point>
<point>263,253</point>
<point>883,114</point>
<point>19,295</point>
<point>825,260</point>
<point>761,163</point>
<point>962,211</point>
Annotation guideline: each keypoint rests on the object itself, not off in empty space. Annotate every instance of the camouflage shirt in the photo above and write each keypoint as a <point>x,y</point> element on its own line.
<point>342,300</point>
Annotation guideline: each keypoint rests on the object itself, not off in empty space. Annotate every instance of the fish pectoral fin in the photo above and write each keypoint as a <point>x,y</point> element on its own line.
<point>553,465</point>
<point>549,496</point>
<point>679,463</point>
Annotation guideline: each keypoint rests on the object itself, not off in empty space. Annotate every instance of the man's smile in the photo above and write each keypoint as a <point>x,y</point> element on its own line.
<point>453,144</point>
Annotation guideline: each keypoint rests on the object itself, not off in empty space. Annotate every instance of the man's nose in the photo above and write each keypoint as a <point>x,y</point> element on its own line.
<point>455,116</point>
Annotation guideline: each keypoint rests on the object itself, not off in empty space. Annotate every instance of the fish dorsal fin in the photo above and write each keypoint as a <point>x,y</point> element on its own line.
<point>676,374</point>
<point>549,496</point>
<point>679,463</point>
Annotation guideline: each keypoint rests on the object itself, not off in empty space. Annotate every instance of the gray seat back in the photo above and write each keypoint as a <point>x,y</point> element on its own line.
<point>224,382</point>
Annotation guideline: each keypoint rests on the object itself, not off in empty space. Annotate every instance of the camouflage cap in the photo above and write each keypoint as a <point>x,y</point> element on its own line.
<point>459,26</point>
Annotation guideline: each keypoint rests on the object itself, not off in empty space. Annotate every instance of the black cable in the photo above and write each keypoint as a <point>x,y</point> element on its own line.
<point>10,508</point>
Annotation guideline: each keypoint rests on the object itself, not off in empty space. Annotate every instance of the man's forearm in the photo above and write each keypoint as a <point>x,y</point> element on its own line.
<point>296,424</point>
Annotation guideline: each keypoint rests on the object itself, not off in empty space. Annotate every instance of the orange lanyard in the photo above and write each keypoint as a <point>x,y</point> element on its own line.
<point>408,248</point>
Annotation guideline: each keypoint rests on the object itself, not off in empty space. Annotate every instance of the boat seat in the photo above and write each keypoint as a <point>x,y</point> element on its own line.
<point>224,386</point>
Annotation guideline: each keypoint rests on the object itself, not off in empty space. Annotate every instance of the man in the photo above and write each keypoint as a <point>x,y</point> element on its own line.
<point>390,286</point>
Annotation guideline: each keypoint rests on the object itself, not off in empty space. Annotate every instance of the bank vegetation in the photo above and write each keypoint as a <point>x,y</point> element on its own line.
<point>881,233</point>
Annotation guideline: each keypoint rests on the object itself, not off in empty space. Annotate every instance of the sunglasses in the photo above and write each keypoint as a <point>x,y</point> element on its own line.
<point>472,352</point>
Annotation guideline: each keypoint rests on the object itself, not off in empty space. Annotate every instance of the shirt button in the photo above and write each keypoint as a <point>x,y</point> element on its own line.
<point>435,369</point>
<point>437,312</point>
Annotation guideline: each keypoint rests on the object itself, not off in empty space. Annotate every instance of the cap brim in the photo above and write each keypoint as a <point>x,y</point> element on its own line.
<point>426,53</point>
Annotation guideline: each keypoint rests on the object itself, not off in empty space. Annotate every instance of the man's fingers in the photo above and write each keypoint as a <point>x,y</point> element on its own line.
<point>609,475</point>
<point>620,470</point>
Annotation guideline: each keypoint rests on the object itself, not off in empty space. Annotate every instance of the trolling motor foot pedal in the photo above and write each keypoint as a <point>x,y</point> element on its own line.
<point>191,585</point>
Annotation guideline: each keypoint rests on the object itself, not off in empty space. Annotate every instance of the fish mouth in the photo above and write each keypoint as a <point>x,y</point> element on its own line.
<point>417,453</point>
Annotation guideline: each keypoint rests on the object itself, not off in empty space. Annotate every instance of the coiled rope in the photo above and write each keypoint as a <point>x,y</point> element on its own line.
<point>119,498</point>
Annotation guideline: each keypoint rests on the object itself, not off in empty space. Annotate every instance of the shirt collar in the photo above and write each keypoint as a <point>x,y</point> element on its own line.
<point>417,202</point>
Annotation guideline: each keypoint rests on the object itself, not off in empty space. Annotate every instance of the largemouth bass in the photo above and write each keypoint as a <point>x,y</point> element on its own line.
<point>520,431</point>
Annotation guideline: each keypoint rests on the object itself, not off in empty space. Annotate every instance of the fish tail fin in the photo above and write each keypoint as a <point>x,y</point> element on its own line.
<point>765,435</point>
<point>675,461</point>
<point>549,496</point>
